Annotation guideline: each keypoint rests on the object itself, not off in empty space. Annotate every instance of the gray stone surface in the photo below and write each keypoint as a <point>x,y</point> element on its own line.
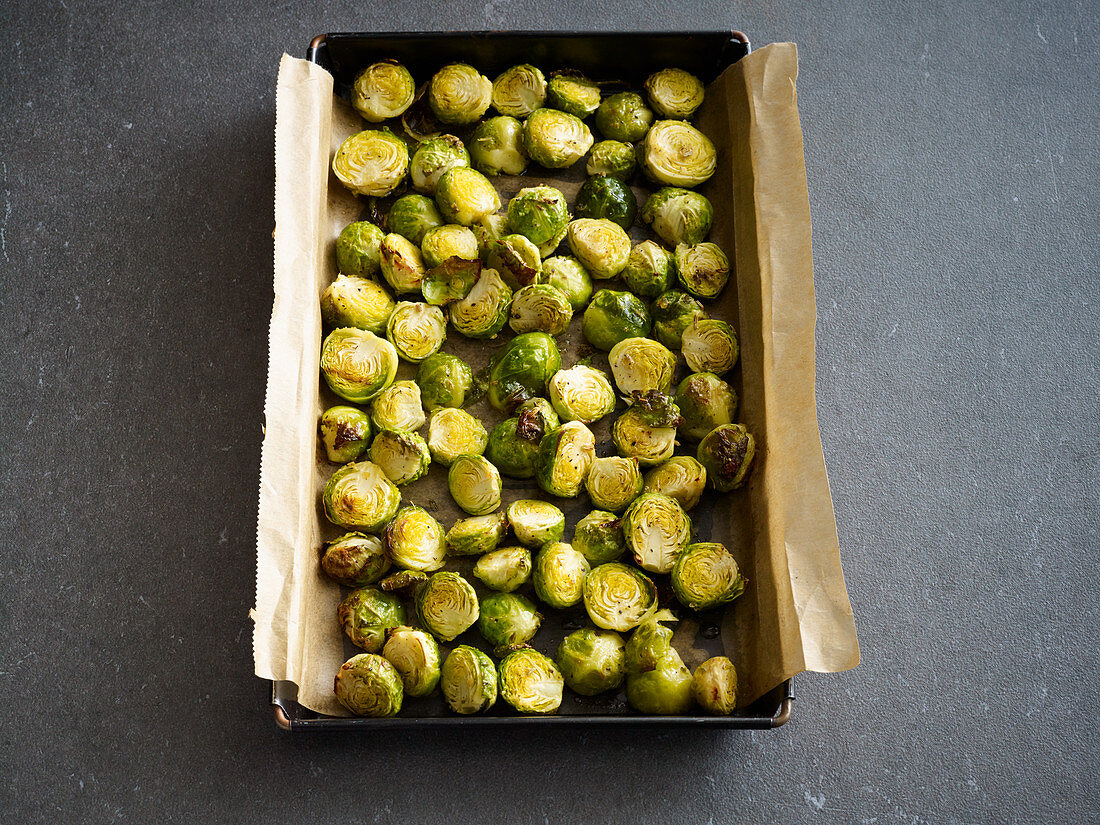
<point>952,158</point>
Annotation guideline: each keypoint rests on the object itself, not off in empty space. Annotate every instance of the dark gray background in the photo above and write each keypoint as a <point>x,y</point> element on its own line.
<point>952,160</point>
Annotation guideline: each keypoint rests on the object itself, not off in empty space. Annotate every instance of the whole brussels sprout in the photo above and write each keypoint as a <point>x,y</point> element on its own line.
<point>599,537</point>
<point>727,452</point>
<point>613,158</point>
<point>618,597</point>
<point>650,270</point>
<point>368,685</point>
<point>678,216</point>
<point>540,308</point>
<point>357,364</point>
<point>411,216</point>
<point>466,196</point>
<point>673,312</point>
<point>451,281</point>
<point>356,302</point>
<point>572,92</point>
<point>657,530</point>
<point>539,213</point>
<point>511,452</point>
<point>506,569</point>
<point>448,241</point>
<point>592,661</point>
<point>468,680</point>
<point>445,381</point>
<point>360,497</point>
<point>637,436</point>
<point>705,402</point>
<point>414,540</point>
<point>674,93</point>
<point>706,576</point>
<point>433,158</point>
<point>477,535</point>
<point>357,250</point>
<point>366,614</point>
<point>382,90</point>
<point>484,311</point>
<point>581,393</point>
<point>601,245</point>
<point>517,260</point>
<point>613,482</point>
<point>459,93</point>
<point>624,116</point>
<point>345,432</point>
<point>555,139</point>
<point>416,330</point>
<point>612,317</point>
<point>521,369</point>
<point>681,477</point>
<point>714,686</point>
<point>647,645</point>
<point>608,198</point>
<point>447,605</point>
<point>398,407</point>
<point>474,484</point>
<point>567,274</point>
<point>354,560</point>
<point>703,269</point>
<point>536,522</point>
<point>665,690</point>
<point>507,620</point>
<point>642,365</point>
<point>710,345</point>
<point>401,454</point>
<point>497,147</point>
<point>372,163</point>
<point>530,682</point>
<point>415,656</point>
<point>453,432</point>
<point>559,574</point>
<point>402,265</point>
<point>518,91</point>
<point>564,458</point>
<point>677,154</point>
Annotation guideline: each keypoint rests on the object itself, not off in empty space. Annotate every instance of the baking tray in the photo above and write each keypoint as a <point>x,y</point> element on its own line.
<point>626,58</point>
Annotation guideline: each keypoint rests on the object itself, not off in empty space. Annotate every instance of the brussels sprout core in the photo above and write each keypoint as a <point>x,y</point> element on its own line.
<point>657,530</point>
<point>359,496</point>
<point>540,308</point>
<point>710,346</point>
<point>573,93</point>
<point>678,215</point>
<point>371,163</point>
<point>416,330</point>
<point>368,685</point>
<point>357,364</point>
<point>447,605</point>
<point>530,682</point>
<point>636,436</point>
<point>706,576</point>
<point>366,614</point>
<point>703,269</point>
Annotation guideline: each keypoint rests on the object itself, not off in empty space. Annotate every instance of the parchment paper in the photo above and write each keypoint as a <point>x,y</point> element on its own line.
<point>795,614</point>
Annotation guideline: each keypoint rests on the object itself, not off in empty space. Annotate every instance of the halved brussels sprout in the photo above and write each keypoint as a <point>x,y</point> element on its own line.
<point>404,582</point>
<point>453,432</point>
<point>612,317</point>
<point>518,91</point>
<point>705,402</point>
<point>474,484</point>
<point>477,535</point>
<point>602,246</point>
<point>416,330</point>
<point>673,312</point>
<point>581,393</point>
<point>345,432</point>
<point>356,302</point>
<point>599,537</point>
<point>536,522</point>
<point>372,163</point>
<point>508,620</point>
<point>357,364</point>
<point>468,680</point>
<point>357,250</point>
<point>727,453</point>
<point>415,656</point>
<point>613,158</point>
<point>636,437</point>
<point>618,597</point>
<point>497,147</point>
<point>542,414</point>
<point>551,246</point>
<point>710,345</point>
<point>681,477</point>
<point>459,93</point>
<point>567,274</point>
<point>451,281</point>
<point>657,530</point>
<point>435,157</point>
<point>706,576</point>
<point>488,231</point>
<point>448,241</point>
<point>703,269</point>
<point>355,560</point>
<point>512,452</point>
<point>674,93</point>
<point>466,196</point>
<point>677,154</point>
<point>445,381</point>
<point>521,369</point>
<point>360,497</point>
<point>592,661</point>
<point>678,216</point>
<point>540,308</point>
<point>714,686</point>
<point>506,569</point>
<point>414,540</point>
<point>398,407</point>
<point>411,216</point>
<point>613,482</point>
<point>555,139</point>
<point>642,365</point>
<point>382,90</point>
<point>607,198</point>
<point>650,270</point>
<point>447,605</point>
<point>647,645</point>
<point>368,685</point>
<point>624,116</point>
<point>531,682</point>
<point>517,260</point>
<point>402,264</point>
<point>574,93</point>
<point>559,574</point>
<point>402,455</point>
<point>366,614</point>
<point>665,690</point>
<point>564,458</point>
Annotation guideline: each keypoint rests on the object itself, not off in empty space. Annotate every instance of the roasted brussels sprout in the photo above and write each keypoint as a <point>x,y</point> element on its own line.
<point>368,685</point>
<point>581,393</point>
<point>678,216</point>
<point>703,269</point>
<point>624,116</point>
<point>512,449</point>
<point>355,560</point>
<point>412,216</point>
<point>366,614</point>
<point>517,260</point>
<point>681,477</point>
<point>727,452</point>
<point>636,436</point>
<point>360,497</point>
<point>705,576</point>
<point>372,163</point>
<point>607,198</point>
<point>714,686</point>
<point>402,264</point>
<point>649,642</point>
<point>555,139</point>
<point>518,91</point>
<point>345,432</point>
<point>521,369</point>
<point>416,330</point>
<point>564,458</point>
<point>357,364</point>
<point>401,454</point>
<point>674,93</point>
<point>539,213</point>
<point>508,620</point>
<point>477,535</point>
<point>559,574</point>
<point>705,402</point>
<point>442,243</point>
<point>398,407</point>
<point>445,381</point>
<point>567,274</point>
<point>415,656</point>
<point>657,530</point>
<point>447,605</point>
<point>602,246</point>
<point>710,346</point>
<point>356,302</point>
<point>484,311</point>
<point>405,582</point>
<point>540,308</point>
<point>642,365</point>
<point>541,412</point>
<point>665,690</point>
<point>468,680</point>
<point>414,540</point>
<point>536,522</point>
<point>506,569</point>
<point>612,317</point>
<point>497,147</point>
<point>530,682</point>
<point>466,196</point>
<point>673,312</point>
<point>599,537</point>
<point>650,270</point>
<point>357,252</point>
<point>453,432</point>
<point>382,90</point>
<point>677,154</point>
<point>613,158</point>
<point>572,92</point>
<point>592,661</point>
<point>451,281</point>
<point>474,484</point>
<point>618,597</point>
<point>613,482</point>
<point>459,93</point>
<point>435,157</point>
